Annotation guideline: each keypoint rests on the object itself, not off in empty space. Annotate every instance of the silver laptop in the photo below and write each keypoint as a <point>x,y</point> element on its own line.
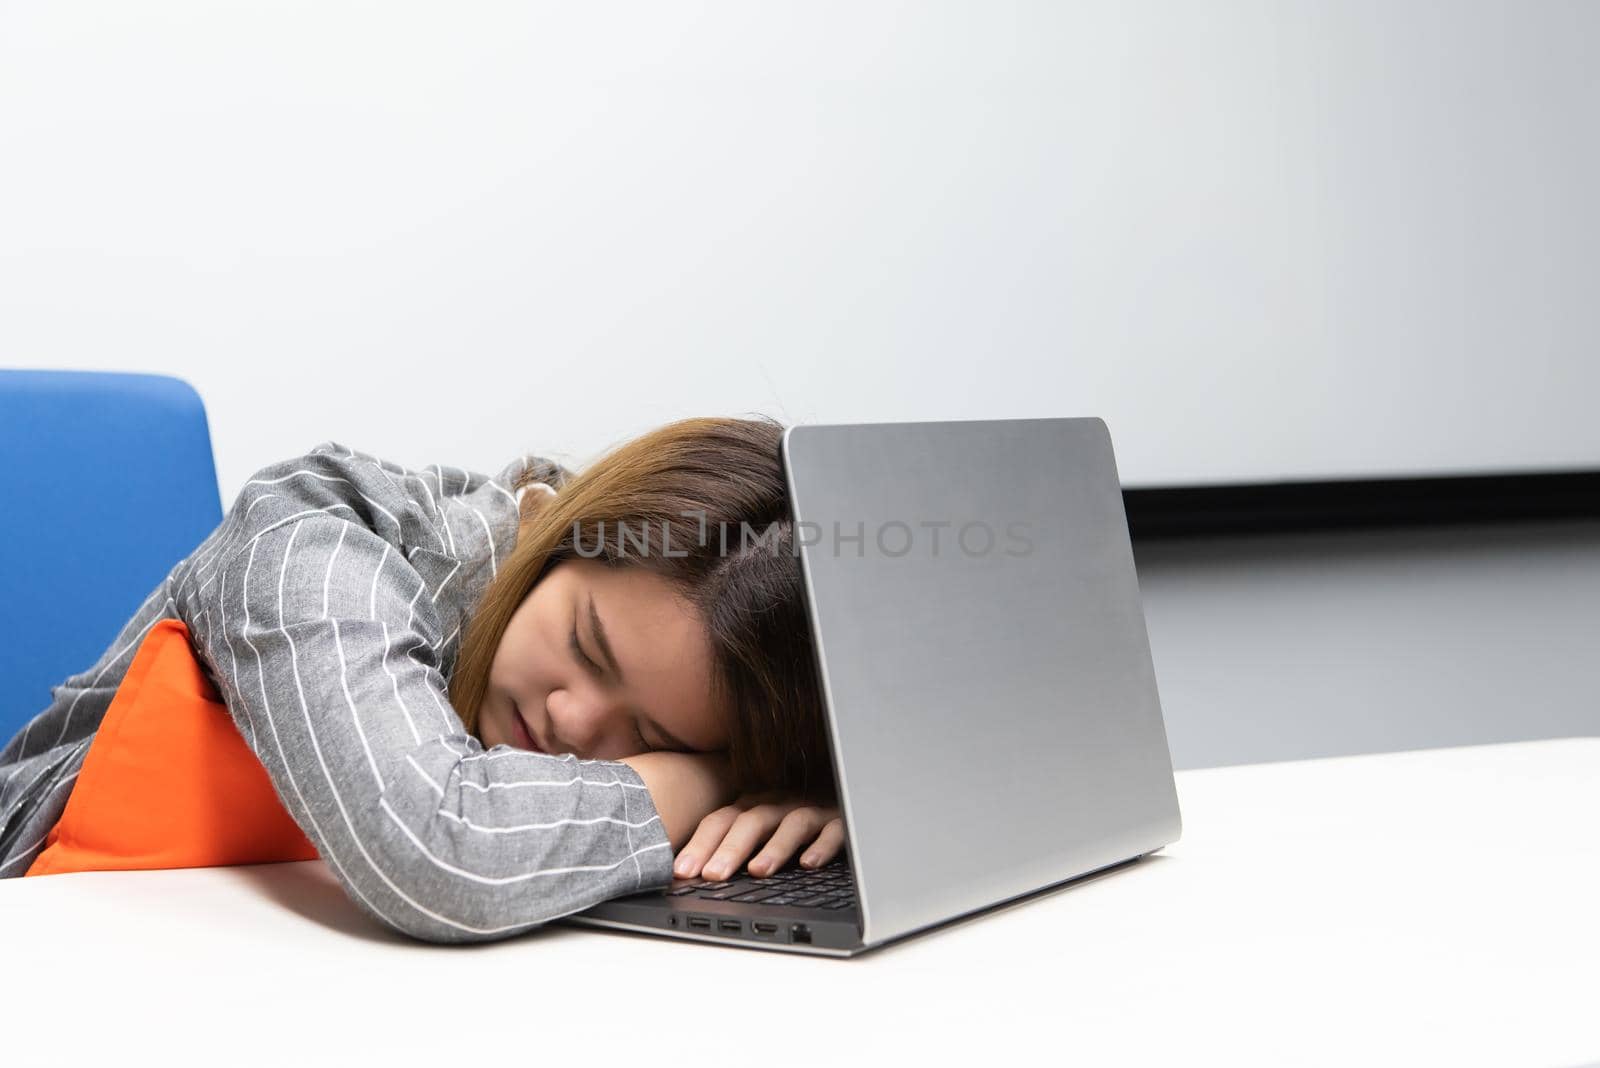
<point>990,695</point>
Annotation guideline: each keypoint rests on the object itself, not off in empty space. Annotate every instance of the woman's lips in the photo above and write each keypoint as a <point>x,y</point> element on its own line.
<point>520,727</point>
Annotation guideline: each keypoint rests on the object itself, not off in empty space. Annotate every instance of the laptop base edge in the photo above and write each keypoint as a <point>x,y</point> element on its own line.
<point>714,939</point>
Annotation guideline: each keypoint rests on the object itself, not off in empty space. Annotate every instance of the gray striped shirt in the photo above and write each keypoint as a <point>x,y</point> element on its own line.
<point>327,608</point>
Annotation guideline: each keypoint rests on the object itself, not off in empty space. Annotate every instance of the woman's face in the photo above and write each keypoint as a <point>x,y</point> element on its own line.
<point>593,656</point>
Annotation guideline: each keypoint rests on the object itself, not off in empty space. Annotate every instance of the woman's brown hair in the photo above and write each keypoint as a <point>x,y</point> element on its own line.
<point>703,504</point>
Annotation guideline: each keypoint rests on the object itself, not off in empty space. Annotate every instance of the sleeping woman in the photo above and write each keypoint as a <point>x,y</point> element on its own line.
<point>493,701</point>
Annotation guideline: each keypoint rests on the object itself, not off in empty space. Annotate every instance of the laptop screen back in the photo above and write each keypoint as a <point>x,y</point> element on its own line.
<point>984,656</point>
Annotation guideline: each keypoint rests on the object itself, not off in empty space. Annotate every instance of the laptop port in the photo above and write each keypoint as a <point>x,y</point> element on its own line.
<point>730,925</point>
<point>765,928</point>
<point>800,933</point>
<point>702,923</point>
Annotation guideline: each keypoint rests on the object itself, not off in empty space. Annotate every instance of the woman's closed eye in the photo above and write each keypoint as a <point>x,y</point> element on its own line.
<point>577,650</point>
<point>595,670</point>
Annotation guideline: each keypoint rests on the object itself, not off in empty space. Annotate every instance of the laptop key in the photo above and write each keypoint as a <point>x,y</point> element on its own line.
<point>728,894</point>
<point>756,895</point>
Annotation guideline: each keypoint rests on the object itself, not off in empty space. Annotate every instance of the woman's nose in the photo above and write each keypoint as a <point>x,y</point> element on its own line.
<point>582,719</point>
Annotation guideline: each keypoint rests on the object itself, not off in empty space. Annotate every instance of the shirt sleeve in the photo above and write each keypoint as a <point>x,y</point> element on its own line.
<point>322,636</point>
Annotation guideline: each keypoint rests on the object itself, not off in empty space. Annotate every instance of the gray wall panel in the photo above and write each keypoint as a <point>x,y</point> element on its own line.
<point>1290,646</point>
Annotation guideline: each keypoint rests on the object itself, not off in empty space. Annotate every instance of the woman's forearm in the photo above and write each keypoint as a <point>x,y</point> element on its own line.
<point>685,788</point>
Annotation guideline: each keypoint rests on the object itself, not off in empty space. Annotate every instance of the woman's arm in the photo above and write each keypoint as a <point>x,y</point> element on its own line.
<point>685,788</point>
<point>324,635</point>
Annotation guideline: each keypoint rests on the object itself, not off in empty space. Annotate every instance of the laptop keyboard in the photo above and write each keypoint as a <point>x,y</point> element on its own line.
<point>828,887</point>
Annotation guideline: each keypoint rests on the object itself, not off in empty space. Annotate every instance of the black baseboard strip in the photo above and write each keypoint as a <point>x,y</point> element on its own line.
<point>1170,512</point>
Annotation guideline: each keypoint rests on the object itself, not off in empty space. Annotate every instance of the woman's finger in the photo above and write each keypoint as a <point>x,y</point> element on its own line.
<point>748,831</point>
<point>707,836</point>
<point>829,841</point>
<point>798,828</point>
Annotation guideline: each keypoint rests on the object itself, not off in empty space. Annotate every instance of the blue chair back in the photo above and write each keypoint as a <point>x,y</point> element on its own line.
<point>106,482</point>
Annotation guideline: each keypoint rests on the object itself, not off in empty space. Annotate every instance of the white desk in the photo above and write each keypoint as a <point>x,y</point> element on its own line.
<point>1440,906</point>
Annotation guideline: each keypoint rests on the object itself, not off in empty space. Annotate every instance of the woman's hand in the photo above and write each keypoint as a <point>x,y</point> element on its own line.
<point>533,497</point>
<point>731,833</point>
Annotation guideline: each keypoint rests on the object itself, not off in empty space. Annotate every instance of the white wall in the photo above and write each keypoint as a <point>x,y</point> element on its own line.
<point>1263,240</point>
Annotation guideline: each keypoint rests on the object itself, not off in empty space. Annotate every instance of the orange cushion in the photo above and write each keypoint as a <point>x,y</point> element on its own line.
<point>168,782</point>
